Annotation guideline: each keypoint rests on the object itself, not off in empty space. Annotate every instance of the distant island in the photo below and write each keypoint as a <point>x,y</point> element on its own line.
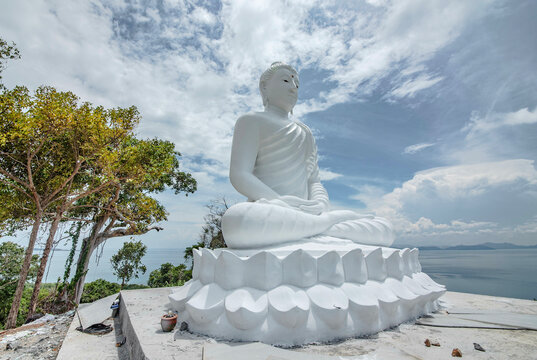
<point>485,246</point>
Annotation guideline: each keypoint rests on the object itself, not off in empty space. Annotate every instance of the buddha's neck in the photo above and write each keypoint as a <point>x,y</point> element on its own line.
<point>278,112</point>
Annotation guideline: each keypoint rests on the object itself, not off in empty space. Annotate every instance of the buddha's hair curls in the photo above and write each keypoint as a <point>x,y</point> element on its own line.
<point>267,74</point>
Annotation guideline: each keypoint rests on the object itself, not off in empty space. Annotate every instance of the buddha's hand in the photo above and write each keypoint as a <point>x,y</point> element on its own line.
<point>313,207</point>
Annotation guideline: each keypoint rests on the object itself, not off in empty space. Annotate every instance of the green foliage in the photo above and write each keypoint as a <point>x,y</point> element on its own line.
<point>168,275</point>
<point>211,235</point>
<point>135,286</point>
<point>7,51</point>
<point>74,234</point>
<point>99,289</point>
<point>63,159</point>
<point>11,258</point>
<point>189,251</point>
<point>127,262</point>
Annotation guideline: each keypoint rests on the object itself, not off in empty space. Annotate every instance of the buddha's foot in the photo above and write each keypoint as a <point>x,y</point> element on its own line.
<point>365,230</point>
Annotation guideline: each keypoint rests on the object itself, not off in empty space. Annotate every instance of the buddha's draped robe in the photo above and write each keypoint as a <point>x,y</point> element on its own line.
<point>287,159</point>
<point>287,163</point>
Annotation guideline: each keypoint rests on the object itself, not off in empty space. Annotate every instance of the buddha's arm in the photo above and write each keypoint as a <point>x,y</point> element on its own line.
<point>243,156</point>
<point>317,193</point>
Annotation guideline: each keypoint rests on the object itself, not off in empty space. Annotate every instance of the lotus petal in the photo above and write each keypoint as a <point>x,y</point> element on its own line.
<point>229,270</point>
<point>355,267</point>
<point>263,271</point>
<point>246,308</point>
<point>207,304</point>
<point>330,268</point>
<point>376,266</point>
<point>330,304</point>
<point>289,305</point>
<point>394,265</point>
<point>183,294</point>
<point>299,269</point>
<point>208,262</point>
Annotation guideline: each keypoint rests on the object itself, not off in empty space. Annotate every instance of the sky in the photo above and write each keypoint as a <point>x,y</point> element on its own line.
<point>424,111</point>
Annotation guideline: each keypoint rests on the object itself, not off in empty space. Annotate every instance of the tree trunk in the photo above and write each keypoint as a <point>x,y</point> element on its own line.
<point>84,263</point>
<point>90,244</point>
<point>43,265</point>
<point>14,311</point>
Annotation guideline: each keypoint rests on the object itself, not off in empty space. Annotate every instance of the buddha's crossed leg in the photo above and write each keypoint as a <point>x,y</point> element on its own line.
<point>259,224</point>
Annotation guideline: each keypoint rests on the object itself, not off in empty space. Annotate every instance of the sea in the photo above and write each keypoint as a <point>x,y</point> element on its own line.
<point>507,273</point>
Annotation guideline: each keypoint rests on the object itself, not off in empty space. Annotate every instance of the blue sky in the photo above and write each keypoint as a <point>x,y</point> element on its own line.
<point>424,111</point>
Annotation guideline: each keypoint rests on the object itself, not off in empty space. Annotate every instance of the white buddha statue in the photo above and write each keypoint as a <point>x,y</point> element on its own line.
<point>274,164</point>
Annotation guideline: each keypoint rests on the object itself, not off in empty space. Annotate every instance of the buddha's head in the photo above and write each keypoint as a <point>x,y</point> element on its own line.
<point>279,86</point>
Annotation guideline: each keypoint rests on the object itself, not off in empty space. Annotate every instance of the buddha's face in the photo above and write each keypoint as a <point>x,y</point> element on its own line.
<point>282,89</point>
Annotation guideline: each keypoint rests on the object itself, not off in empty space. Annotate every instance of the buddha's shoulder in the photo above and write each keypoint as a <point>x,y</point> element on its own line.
<point>252,118</point>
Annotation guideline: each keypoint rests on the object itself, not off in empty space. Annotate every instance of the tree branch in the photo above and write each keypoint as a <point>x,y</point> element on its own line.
<point>11,157</point>
<point>15,186</point>
<point>67,181</point>
<point>124,232</point>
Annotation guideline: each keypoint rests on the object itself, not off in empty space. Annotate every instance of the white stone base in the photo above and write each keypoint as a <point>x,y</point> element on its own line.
<point>316,290</point>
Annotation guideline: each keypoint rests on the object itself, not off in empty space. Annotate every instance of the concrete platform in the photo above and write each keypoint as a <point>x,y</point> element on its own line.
<point>490,321</point>
<point>81,346</point>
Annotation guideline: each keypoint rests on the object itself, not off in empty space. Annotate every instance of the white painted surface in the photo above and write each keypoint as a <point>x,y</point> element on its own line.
<point>274,164</point>
<point>295,295</point>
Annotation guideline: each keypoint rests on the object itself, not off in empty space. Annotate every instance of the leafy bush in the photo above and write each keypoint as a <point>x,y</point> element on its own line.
<point>11,259</point>
<point>98,289</point>
<point>135,287</point>
<point>168,275</point>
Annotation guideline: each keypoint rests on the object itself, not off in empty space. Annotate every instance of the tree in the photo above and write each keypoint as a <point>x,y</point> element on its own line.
<point>211,233</point>
<point>65,161</point>
<point>127,263</point>
<point>7,52</point>
<point>53,153</point>
<point>11,259</point>
<point>167,275</point>
<point>150,166</point>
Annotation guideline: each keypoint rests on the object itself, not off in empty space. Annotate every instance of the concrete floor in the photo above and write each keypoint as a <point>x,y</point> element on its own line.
<point>143,309</point>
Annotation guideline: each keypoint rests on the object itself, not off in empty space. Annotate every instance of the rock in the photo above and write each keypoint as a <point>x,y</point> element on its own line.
<point>184,326</point>
<point>44,319</point>
<point>456,353</point>
<point>478,347</point>
<point>34,317</point>
<point>427,343</point>
<point>435,344</point>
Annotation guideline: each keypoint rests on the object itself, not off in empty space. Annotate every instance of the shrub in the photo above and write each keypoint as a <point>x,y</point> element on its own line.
<point>168,275</point>
<point>98,289</point>
<point>11,259</point>
<point>135,286</point>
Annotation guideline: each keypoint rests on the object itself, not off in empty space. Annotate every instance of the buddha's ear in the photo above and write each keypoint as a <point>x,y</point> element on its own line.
<point>262,90</point>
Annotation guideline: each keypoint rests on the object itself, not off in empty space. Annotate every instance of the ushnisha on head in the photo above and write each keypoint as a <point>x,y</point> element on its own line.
<point>279,86</point>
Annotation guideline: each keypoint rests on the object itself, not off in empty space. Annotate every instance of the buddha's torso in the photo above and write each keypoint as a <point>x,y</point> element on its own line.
<point>284,157</point>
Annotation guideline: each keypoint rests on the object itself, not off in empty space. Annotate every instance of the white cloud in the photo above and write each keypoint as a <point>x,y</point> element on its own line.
<point>327,175</point>
<point>193,70</point>
<point>493,121</point>
<point>191,82</point>
<point>412,149</point>
<point>203,16</point>
<point>466,200</point>
<point>410,87</point>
